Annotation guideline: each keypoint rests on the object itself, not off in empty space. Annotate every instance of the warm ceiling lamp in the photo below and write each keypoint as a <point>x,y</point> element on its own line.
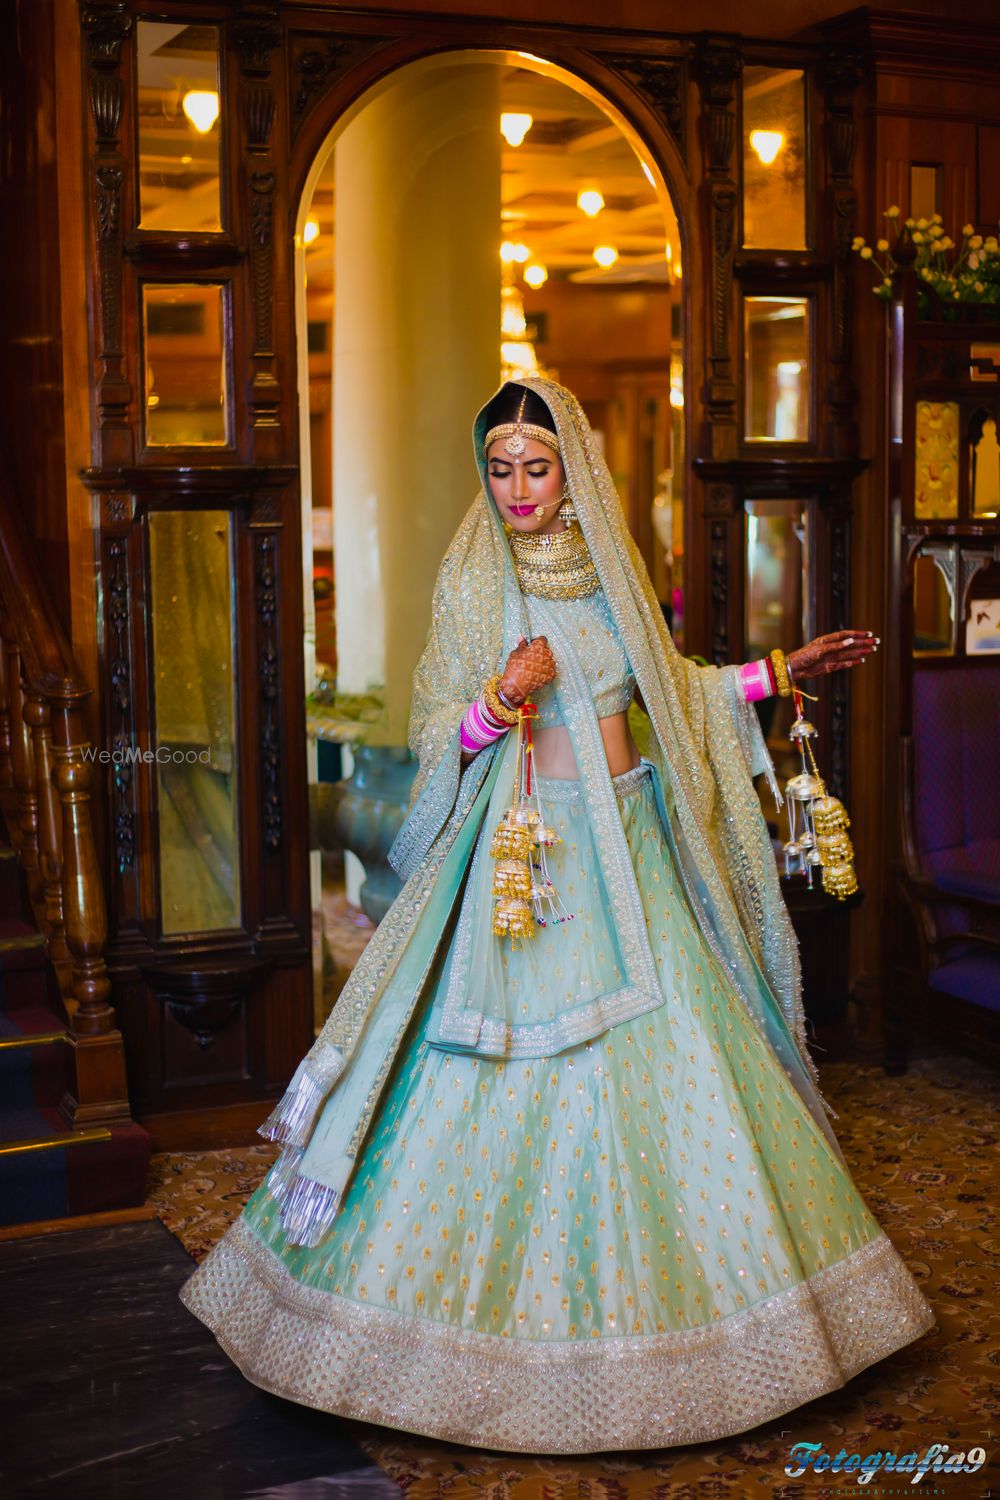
<point>536,275</point>
<point>511,251</point>
<point>310,232</point>
<point>591,201</point>
<point>767,144</point>
<point>202,108</point>
<point>605,255</point>
<point>514,127</point>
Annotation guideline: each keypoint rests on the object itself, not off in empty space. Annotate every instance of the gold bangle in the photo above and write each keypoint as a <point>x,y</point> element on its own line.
<point>494,703</point>
<point>782,676</point>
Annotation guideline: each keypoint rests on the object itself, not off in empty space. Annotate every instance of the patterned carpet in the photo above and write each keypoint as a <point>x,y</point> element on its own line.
<point>923,1151</point>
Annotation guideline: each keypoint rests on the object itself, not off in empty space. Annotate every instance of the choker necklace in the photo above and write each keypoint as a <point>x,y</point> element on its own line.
<point>555,564</point>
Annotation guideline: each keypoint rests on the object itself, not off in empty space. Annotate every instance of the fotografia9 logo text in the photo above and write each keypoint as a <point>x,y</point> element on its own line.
<point>936,1460</point>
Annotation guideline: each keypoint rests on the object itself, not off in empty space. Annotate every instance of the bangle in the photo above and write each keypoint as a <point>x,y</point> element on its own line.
<point>500,710</point>
<point>758,680</point>
<point>782,676</point>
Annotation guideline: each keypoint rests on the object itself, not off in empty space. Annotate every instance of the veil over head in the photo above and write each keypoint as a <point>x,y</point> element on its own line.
<point>704,743</point>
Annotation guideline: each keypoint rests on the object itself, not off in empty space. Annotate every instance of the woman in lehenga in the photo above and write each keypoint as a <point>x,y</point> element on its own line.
<point>580,1192</point>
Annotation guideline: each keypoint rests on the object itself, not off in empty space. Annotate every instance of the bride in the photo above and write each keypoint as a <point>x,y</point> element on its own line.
<point>556,1175</point>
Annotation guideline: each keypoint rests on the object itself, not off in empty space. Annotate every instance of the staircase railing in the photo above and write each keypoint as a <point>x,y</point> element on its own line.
<point>46,759</point>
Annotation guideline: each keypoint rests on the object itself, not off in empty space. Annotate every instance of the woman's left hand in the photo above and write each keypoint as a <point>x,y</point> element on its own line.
<point>828,653</point>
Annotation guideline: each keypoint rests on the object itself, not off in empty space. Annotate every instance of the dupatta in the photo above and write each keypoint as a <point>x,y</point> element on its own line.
<point>705,745</point>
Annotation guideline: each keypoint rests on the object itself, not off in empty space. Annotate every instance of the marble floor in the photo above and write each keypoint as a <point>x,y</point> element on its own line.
<point>109,1389</point>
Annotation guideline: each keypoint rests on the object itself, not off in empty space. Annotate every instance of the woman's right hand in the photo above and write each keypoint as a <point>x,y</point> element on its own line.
<point>529,666</point>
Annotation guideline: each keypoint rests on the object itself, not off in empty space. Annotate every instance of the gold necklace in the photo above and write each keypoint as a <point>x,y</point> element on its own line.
<point>554,564</point>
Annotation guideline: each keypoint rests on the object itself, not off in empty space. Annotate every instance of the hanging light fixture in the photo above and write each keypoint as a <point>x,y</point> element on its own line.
<point>514,251</point>
<point>767,144</point>
<point>605,255</point>
<point>514,126</point>
<point>535,275</point>
<point>591,201</point>
<point>202,108</point>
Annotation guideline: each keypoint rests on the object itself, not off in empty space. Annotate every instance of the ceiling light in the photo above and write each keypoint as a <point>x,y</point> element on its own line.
<point>202,108</point>
<point>605,255</point>
<point>514,127</point>
<point>518,357</point>
<point>591,201</point>
<point>311,232</point>
<point>536,275</point>
<point>767,144</point>
<point>513,324</point>
<point>511,251</point>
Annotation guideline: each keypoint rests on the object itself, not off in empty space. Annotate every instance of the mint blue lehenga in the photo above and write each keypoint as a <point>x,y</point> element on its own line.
<point>583,1195</point>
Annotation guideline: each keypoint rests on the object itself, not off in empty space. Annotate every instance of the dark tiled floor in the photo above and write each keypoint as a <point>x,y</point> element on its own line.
<point>109,1388</point>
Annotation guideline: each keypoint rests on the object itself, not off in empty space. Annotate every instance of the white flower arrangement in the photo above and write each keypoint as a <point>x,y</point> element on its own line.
<point>965,273</point>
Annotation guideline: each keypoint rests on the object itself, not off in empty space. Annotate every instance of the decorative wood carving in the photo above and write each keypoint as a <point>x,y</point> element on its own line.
<point>266,601</point>
<point>840,600</point>
<point>720,592</point>
<point>261,239</point>
<point>319,63</point>
<point>257,35</point>
<point>120,703</point>
<point>661,82</point>
<point>841,73</point>
<point>106,28</point>
<point>719,69</point>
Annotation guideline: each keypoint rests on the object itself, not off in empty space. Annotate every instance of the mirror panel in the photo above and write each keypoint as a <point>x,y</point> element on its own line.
<point>777,612</point>
<point>984,466</point>
<point>178,125</point>
<point>936,460</point>
<point>191,608</point>
<point>774,159</point>
<point>777,338</point>
<point>186,387</point>
<point>982,618</point>
<point>934,602</point>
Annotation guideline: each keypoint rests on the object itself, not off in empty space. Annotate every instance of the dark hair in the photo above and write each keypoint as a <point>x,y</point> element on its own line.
<point>507,403</point>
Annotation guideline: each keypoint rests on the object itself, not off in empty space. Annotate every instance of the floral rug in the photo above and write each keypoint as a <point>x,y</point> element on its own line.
<point>922,1149</point>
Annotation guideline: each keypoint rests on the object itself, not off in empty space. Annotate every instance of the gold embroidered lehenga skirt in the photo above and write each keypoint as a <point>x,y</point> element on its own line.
<point>643,1240</point>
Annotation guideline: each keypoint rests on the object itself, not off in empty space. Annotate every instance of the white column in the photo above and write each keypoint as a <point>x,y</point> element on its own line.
<point>416,352</point>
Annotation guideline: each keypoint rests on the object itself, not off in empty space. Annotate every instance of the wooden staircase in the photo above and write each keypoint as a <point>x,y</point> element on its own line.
<point>68,1144</point>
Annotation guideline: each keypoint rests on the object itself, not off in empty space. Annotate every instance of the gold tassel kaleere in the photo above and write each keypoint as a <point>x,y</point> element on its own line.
<point>522,890</point>
<point>824,840</point>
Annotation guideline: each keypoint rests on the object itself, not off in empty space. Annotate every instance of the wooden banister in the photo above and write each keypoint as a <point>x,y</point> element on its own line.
<point>45,775</point>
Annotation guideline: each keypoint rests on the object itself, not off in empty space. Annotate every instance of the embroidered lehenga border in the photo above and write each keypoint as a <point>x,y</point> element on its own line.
<point>556,1396</point>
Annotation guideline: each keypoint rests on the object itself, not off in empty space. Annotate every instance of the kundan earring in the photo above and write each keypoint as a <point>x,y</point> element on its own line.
<point>566,511</point>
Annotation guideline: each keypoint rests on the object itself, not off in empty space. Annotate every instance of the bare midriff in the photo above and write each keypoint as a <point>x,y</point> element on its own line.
<point>553,754</point>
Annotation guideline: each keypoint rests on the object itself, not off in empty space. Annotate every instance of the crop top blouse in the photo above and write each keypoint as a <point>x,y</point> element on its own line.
<point>591,625</point>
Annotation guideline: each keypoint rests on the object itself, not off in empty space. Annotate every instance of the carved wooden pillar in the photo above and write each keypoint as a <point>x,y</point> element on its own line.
<point>719,68</point>
<point>105,27</point>
<point>840,76</point>
<point>25,829</point>
<point>257,34</point>
<point>38,717</point>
